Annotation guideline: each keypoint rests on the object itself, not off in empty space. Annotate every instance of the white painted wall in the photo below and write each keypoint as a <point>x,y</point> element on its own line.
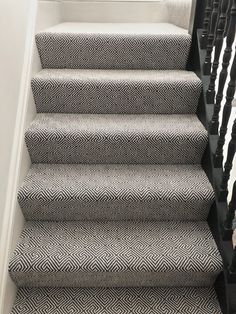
<point>13,22</point>
<point>17,110</point>
<point>12,52</point>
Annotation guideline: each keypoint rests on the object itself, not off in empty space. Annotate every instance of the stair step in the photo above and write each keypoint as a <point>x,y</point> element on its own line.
<point>184,300</point>
<point>114,192</point>
<point>116,91</point>
<point>115,254</point>
<point>160,46</point>
<point>118,139</point>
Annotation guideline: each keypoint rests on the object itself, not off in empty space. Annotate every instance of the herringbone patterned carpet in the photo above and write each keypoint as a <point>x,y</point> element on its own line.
<point>116,200</point>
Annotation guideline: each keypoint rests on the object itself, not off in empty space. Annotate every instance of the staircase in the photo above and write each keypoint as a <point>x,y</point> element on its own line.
<point>116,201</point>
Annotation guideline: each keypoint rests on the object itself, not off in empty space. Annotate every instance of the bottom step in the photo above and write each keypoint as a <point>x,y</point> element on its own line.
<point>116,300</point>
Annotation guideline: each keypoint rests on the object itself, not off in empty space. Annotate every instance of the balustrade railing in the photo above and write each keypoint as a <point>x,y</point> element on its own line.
<point>219,29</point>
<point>217,68</point>
<point>232,267</point>
<point>218,48</point>
<point>206,23</point>
<point>211,36</point>
<point>228,225</point>
<point>218,157</point>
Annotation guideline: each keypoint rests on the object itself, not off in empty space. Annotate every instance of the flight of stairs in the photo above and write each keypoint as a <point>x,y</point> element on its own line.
<point>116,200</point>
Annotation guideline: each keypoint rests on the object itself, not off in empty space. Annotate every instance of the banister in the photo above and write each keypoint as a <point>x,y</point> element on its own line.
<point>228,224</point>
<point>218,47</point>
<point>214,125</point>
<point>209,39</point>
<point>218,157</point>
<point>228,164</point>
<point>206,23</point>
<point>232,268</point>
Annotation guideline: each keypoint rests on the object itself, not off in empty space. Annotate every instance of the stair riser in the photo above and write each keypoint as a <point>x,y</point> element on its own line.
<point>72,209</point>
<point>117,300</point>
<point>116,11</point>
<point>104,96</point>
<point>115,148</point>
<point>109,279</point>
<point>115,254</point>
<point>107,51</point>
<point>115,192</point>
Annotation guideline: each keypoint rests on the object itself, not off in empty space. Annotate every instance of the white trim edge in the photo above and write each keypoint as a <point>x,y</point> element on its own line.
<point>16,155</point>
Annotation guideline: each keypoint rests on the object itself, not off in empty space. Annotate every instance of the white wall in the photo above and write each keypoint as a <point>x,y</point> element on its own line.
<point>14,22</point>
<point>17,110</point>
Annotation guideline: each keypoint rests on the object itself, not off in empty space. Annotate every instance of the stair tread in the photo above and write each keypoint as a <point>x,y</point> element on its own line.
<point>151,300</point>
<point>102,138</point>
<point>117,28</point>
<point>161,76</point>
<point>126,124</point>
<point>115,247</point>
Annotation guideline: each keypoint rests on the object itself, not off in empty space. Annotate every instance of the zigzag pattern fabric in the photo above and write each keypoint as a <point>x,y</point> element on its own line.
<point>116,200</point>
<point>116,91</point>
<point>116,139</point>
<point>73,50</point>
<point>117,300</point>
<point>115,254</point>
<point>116,192</point>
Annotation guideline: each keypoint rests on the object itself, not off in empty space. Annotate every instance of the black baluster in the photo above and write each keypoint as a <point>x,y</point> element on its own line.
<point>210,95</point>
<point>206,23</point>
<point>211,37</point>
<point>232,267</point>
<point>228,224</point>
<point>218,157</point>
<point>228,17</point>
<point>214,125</point>
<point>228,165</point>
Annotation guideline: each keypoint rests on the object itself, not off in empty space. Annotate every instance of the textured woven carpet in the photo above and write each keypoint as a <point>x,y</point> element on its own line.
<point>116,200</point>
<point>73,45</point>
<point>125,139</point>
<point>117,254</point>
<point>116,300</point>
<point>116,91</point>
<point>91,192</point>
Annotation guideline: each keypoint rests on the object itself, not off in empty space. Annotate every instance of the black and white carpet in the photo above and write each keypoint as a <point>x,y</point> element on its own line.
<point>116,300</point>
<point>116,200</point>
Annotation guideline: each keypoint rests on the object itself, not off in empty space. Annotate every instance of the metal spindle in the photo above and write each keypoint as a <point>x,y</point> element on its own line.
<point>218,158</point>
<point>214,125</point>
<point>206,23</point>
<point>210,95</point>
<point>228,224</point>
<point>211,37</point>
